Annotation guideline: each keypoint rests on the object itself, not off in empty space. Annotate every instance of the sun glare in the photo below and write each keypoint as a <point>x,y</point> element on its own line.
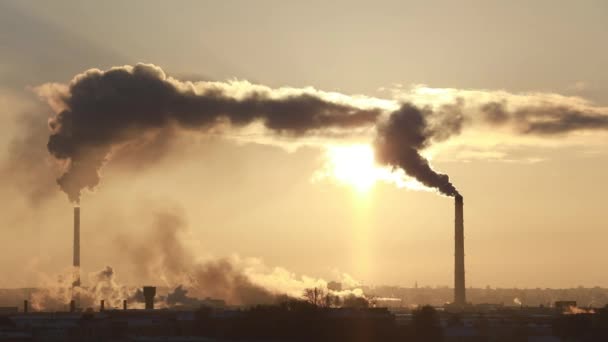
<point>353,165</point>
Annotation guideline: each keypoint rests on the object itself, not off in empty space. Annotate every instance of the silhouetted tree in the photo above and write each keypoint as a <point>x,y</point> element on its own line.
<point>315,296</point>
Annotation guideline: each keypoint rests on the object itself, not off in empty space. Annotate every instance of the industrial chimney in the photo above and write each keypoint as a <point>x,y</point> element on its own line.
<point>76,262</point>
<point>459,287</point>
<point>149,293</point>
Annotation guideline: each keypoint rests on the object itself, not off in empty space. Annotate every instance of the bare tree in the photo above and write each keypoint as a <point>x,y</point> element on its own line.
<point>316,296</point>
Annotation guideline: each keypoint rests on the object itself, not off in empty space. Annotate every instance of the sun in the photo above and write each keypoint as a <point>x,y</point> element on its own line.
<point>353,165</point>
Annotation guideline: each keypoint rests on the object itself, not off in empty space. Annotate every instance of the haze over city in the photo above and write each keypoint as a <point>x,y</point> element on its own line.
<point>285,145</point>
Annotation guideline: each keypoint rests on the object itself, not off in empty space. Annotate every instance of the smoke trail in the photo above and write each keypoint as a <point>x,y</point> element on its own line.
<point>545,119</point>
<point>102,110</point>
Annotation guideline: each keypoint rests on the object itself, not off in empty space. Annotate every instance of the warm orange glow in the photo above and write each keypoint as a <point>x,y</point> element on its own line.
<point>353,165</point>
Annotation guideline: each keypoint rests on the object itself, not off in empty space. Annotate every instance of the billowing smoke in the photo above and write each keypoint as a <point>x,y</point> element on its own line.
<point>162,255</point>
<point>179,296</point>
<point>102,285</point>
<point>409,130</point>
<point>99,111</point>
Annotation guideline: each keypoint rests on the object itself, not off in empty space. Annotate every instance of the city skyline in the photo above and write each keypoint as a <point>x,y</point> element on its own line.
<point>291,211</point>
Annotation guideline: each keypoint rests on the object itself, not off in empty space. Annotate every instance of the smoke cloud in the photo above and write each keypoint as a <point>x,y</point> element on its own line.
<point>103,285</point>
<point>163,255</point>
<point>100,110</point>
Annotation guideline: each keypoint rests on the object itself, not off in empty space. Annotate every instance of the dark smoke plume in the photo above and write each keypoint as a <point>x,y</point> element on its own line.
<point>124,109</point>
<point>409,130</point>
<point>102,110</point>
<point>547,119</point>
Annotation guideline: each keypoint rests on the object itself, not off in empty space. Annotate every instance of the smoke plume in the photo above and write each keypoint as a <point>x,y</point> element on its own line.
<point>103,285</point>
<point>407,131</point>
<point>545,119</point>
<point>162,255</point>
<point>100,110</point>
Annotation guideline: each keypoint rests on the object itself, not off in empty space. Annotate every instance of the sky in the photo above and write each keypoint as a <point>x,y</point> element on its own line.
<point>534,206</point>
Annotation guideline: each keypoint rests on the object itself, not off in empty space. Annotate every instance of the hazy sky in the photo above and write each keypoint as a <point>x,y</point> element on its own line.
<point>534,208</point>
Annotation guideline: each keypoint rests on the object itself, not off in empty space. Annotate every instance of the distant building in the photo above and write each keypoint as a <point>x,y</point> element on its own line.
<point>564,305</point>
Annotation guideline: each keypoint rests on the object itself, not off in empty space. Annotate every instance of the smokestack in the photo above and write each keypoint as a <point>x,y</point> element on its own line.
<point>76,262</point>
<point>72,306</point>
<point>459,287</point>
<point>149,293</point>
<point>25,306</point>
<point>124,304</point>
<point>102,305</point>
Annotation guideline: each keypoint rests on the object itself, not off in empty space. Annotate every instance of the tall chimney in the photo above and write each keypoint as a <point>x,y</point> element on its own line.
<point>124,304</point>
<point>25,306</point>
<point>149,293</point>
<point>459,287</point>
<point>76,262</point>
